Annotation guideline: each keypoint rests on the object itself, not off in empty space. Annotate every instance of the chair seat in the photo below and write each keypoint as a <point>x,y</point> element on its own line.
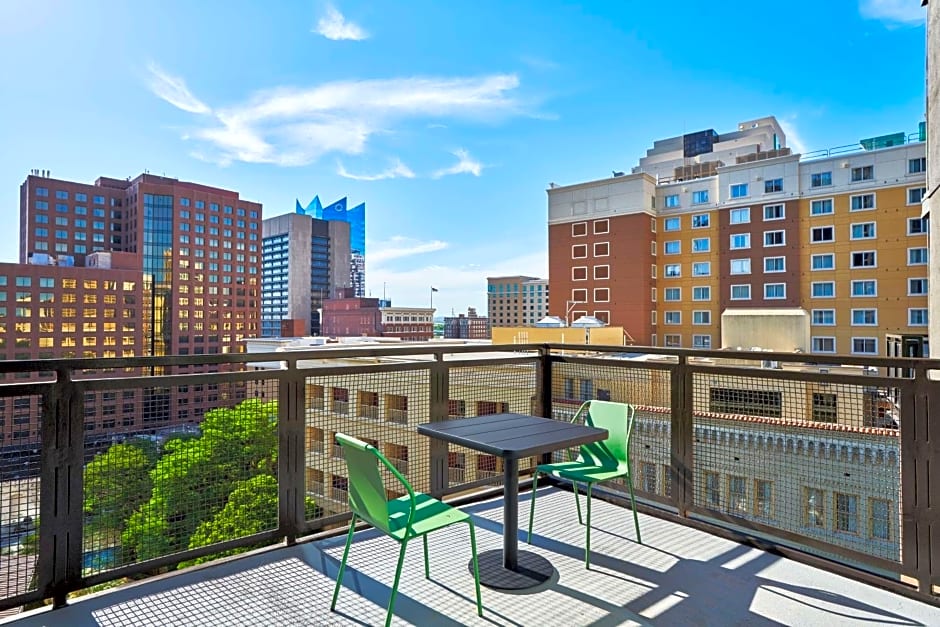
<point>430,515</point>
<point>583,471</point>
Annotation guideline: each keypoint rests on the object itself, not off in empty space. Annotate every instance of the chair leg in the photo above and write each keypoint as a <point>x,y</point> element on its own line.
<point>587,537</point>
<point>577,501</point>
<point>476,568</point>
<point>636,519</point>
<point>427,567</point>
<point>342,564</point>
<point>391,600</point>
<point>535,483</point>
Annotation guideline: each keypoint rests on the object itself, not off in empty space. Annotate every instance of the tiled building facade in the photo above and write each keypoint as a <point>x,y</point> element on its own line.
<point>516,301</point>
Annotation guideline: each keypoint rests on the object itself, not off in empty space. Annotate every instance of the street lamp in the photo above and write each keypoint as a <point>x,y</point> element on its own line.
<point>571,304</point>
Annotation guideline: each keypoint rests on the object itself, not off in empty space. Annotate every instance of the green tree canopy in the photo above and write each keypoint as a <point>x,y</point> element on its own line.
<point>117,483</point>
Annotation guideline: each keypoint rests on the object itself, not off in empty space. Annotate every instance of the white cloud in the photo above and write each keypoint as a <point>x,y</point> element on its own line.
<point>398,247</point>
<point>334,26</point>
<point>893,11</point>
<point>539,63</point>
<point>291,126</point>
<point>396,170</point>
<point>465,165</point>
<point>794,139</point>
<point>173,89</point>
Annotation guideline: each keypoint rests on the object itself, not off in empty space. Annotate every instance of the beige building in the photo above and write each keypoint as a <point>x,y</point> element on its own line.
<point>516,301</point>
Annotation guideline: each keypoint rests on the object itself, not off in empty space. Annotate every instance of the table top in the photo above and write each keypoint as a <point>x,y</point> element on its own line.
<point>512,435</point>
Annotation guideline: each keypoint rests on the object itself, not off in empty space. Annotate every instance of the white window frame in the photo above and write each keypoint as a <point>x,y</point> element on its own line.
<point>855,282</point>
<point>812,289</point>
<point>874,233</point>
<point>831,256</point>
<point>743,215</point>
<point>747,285</point>
<point>874,202</point>
<point>820,175</point>
<point>678,247</point>
<point>574,278</point>
<point>872,340</point>
<point>579,291</point>
<point>769,285</point>
<point>853,323</point>
<point>669,204</point>
<point>918,248</point>
<point>606,225</point>
<point>741,263</point>
<point>773,180</point>
<point>702,287</point>
<point>698,263</point>
<point>812,318</point>
<point>653,294</point>
<point>575,224</point>
<point>576,246</point>
<point>737,187</point>
<point>697,341</point>
<point>925,226</point>
<point>653,320</point>
<point>861,170</point>
<point>923,193</point>
<point>667,221</point>
<point>601,295</point>
<point>666,267</point>
<point>731,237</point>
<point>832,229</point>
<point>766,259</point>
<point>674,290</point>
<point>821,338</point>
<point>926,286</point>
<point>910,317</point>
<point>783,212</point>
<point>672,340</point>
<point>672,317</point>
<point>706,216</point>
<point>708,245</point>
<point>702,313</point>
<point>703,201</point>
<point>601,278</point>
<point>921,165</point>
<point>874,257</point>
<point>813,203</point>
<point>783,235</point>
<point>596,244</point>
<point>653,271</point>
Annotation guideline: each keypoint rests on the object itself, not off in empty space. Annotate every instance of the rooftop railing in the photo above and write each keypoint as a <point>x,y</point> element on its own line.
<point>826,463</point>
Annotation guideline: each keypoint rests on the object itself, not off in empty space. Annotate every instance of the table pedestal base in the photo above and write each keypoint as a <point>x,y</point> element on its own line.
<point>532,570</point>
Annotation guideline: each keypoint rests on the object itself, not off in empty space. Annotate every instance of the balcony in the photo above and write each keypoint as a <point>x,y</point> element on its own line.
<point>730,458</point>
<point>397,415</point>
<point>369,411</point>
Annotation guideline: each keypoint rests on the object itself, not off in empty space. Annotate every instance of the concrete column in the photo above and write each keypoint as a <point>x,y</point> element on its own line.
<point>933,170</point>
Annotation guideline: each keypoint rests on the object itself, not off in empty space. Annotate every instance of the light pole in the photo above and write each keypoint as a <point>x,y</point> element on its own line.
<point>570,305</point>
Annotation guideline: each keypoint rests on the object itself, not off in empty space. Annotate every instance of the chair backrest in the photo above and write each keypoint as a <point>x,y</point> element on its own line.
<point>617,418</point>
<point>367,496</point>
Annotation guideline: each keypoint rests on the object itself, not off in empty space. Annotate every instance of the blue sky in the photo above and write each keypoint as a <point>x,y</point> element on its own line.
<point>448,119</point>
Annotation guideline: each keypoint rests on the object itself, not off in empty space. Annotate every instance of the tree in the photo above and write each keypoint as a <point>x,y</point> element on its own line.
<point>117,483</point>
<point>194,478</point>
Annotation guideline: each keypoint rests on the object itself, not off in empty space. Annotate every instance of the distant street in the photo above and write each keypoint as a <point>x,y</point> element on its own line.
<point>19,509</point>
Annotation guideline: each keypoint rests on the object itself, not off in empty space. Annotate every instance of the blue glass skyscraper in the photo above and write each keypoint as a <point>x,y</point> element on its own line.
<point>356,217</point>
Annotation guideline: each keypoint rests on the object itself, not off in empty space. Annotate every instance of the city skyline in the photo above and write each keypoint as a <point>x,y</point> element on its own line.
<point>431,142</point>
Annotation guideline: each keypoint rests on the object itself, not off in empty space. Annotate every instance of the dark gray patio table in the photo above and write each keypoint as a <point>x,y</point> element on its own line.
<point>512,437</point>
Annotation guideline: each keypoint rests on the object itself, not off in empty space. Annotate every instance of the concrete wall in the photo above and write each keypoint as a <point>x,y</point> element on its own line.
<point>933,166</point>
<point>783,331</point>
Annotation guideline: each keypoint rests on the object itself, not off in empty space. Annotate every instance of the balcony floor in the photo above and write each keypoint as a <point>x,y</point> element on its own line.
<point>680,576</point>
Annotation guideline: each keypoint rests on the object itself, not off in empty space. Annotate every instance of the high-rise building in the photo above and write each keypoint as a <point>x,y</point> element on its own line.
<point>516,301</point>
<point>304,260</point>
<point>712,232</point>
<point>356,217</point>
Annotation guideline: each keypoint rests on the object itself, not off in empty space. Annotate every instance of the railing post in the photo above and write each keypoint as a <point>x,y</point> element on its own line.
<point>544,390</point>
<point>681,448</point>
<point>438,393</point>
<point>920,489</point>
<point>60,489</point>
<point>291,453</point>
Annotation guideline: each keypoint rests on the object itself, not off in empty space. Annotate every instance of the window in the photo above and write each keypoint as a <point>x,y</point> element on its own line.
<point>916,195</point>
<point>653,225</point>
<point>579,296</point>
<point>739,190</point>
<point>601,249</point>
<point>700,221</point>
<point>737,496</point>
<point>824,261</point>
<point>42,191</point>
<point>774,212</point>
<point>702,268</point>
<point>867,287</point>
<point>862,202</point>
<point>701,317</point>
<point>821,179</point>
<point>823,344</point>
<point>671,270</point>
<point>701,245</point>
<point>822,234</point>
<point>845,509</point>
<point>917,256</point>
<point>671,201</point>
<point>601,294</point>
<point>863,173</point>
<point>864,317</point>
<point>579,273</point>
<point>814,508</point>
<point>702,341</point>
<point>820,207</point>
<point>711,489</point>
<point>741,292</point>
<point>672,294</point>
<point>700,197</point>
<point>916,226</point>
<point>824,317</point>
<point>879,519</point>
<point>601,227</point>
<point>672,340</point>
<point>702,292</point>
<point>601,272</point>
<point>775,291</point>
<point>775,238</point>
<point>740,266</point>
<point>579,229</point>
<point>772,186</point>
<point>916,166</point>
<point>863,230</point>
<point>740,240</point>
<point>763,498</point>
<point>672,248</point>
<point>672,317</point>
<point>825,407</point>
<point>671,224</point>
<point>62,195</point>
<point>917,287</point>
<point>917,317</point>
<point>579,251</point>
<point>740,216</point>
<point>775,264</point>
<point>823,289</point>
<point>864,259</point>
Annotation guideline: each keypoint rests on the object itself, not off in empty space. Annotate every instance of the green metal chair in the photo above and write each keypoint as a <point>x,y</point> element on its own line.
<point>598,461</point>
<point>403,519</point>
